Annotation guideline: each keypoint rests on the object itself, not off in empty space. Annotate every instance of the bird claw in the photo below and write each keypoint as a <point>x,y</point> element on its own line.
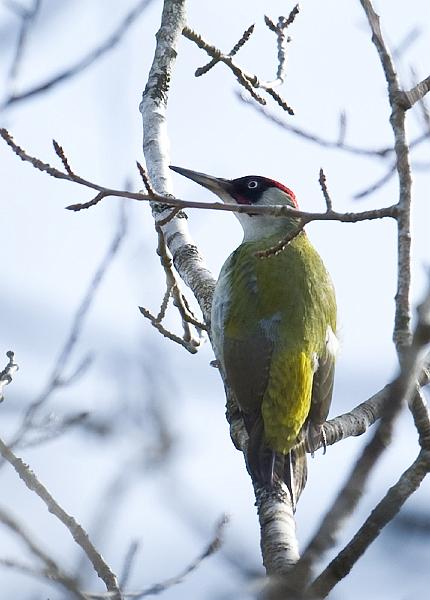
<point>315,438</point>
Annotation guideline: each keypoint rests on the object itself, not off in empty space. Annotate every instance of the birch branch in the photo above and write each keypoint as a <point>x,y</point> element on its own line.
<point>186,258</point>
<point>278,536</point>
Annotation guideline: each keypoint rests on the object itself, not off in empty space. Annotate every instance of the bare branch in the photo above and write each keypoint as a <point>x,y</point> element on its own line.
<point>248,81</point>
<point>168,334</point>
<point>78,533</point>
<point>164,305</point>
<point>402,327</point>
<point>159,588</point>
<point>42,573</point>
<point>403,46</point>
<point>359,419</point>
<point>283,243</point>
<point>169,202</point>
<point>7,373</point>
<point>244,38</point>
<point>282,40</point>
<point>50,428</point>
<point>417,93</point>
<point>381,515</point>
<point>56,378</point>
<point>323,183</point>
<point>186,258</point>
<point>329,215</point>
<point>378,184</point>
<point>145,179</point>
<point>60,153</point>
<point>111,41</point>
<point>52,570</point>
<point>173,285</point>
<point>129,559</point>
<point>27,16</point>
<point>401,390</point>
<point>279,545</point>
<point>337,144</point>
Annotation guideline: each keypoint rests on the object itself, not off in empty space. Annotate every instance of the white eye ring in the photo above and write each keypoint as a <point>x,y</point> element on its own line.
<point>252,184</point>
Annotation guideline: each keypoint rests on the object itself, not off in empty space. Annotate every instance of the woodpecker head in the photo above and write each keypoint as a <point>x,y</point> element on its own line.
<point>251,190</point>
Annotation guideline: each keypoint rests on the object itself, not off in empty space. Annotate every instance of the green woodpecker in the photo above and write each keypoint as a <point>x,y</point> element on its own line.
<point>273,330</point>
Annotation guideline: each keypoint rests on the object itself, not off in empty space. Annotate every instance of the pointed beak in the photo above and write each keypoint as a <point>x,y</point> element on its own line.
<point>217,185</point>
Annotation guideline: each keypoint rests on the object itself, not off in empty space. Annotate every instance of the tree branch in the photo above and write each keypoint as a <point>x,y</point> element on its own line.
<point>27,16</point>
<point>85,62</point>
<point>56,378</point>
<point>337,144</point>
<point>78,533</point>
<point>52,570</point>
<point>381,515</point>
<point>401,391</point>
<point>176,227</point>
<point>277,533</point>
<point>250,82</point>
<point>7,373</point>
<point>402,330</point>
<point>161,587</point>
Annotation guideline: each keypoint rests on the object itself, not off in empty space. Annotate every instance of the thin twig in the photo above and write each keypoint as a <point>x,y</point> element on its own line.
<point>7,373</point>
<point>43,573</point>
<point>145,179</point>
<point>60,153</point>
<point>27,16</point>
<point>382,514</point>
<point>109,43</point>
<point>242,41</point>
<point>378,184</point>
<point>173,285</point>
<point>129,559</point>
<point>249,81</point>
<point>78,533</point>
<point>56,378</point>
<point>168,334</point>
<point>171,202</point>
<point>338,144</point>
<point>282,40</point>
<point>402,321</point>
<point>52,570</point>
<point>416,94</point>
<point>159,588</point>
<point>323,183</point>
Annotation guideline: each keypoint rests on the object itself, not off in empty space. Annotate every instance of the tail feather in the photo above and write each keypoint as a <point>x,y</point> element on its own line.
<point>267,466</point>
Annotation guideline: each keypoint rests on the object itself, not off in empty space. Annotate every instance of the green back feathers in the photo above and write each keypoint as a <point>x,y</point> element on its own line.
<point>275,330</point>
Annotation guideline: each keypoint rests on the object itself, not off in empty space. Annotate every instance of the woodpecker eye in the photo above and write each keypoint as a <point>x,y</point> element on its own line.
<point>252,184</point>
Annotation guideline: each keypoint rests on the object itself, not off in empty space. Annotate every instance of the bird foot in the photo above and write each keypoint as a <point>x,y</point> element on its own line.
<point>315,438</point>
